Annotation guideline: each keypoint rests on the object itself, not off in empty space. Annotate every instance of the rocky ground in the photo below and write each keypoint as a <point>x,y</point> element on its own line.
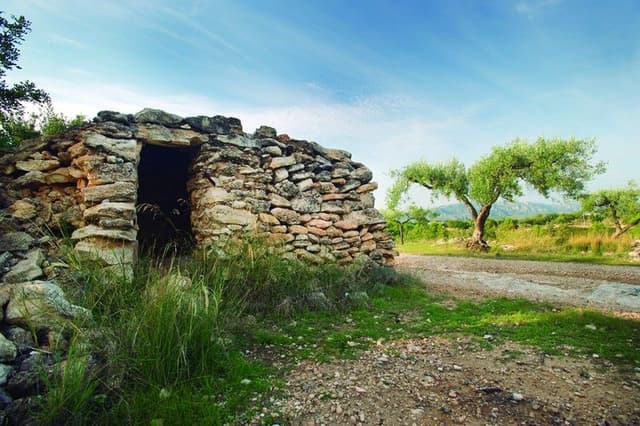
<point>612,288</point>
<point>438,381</point>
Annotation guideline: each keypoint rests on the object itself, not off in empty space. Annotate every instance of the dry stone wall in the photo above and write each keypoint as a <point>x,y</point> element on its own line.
<point>316,202</point>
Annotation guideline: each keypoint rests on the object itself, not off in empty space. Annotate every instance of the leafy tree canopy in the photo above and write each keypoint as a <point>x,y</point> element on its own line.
<point>621,205</point>
<point>546,165</point>
<point>12,33</point>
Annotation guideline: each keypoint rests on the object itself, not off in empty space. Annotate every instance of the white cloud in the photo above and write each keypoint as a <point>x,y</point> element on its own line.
<point>531,8</point>
<point>382,132</point>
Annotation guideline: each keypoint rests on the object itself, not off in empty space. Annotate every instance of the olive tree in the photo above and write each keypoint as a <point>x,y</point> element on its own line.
<point>622,205</point>
<point>414,215</point>
<point>546,165</point>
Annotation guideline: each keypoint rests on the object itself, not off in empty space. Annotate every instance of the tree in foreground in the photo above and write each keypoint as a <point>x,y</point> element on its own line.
<point>12,97</point>
<point>546,165</point>
<point>621,205</point>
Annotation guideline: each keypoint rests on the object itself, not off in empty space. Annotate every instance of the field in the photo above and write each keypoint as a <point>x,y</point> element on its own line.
<point>253,339</point>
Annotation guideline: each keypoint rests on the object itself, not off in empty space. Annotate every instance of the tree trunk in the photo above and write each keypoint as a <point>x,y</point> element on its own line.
<point>401,228</point>
<point>622,229</point>
<point>477,238</point>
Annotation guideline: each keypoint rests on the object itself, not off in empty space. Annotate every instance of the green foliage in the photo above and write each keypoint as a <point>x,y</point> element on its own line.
<point>46,122</point>
<point>621,205</point>
<point>443,179</point>
<point>176,332</point>
<point>546,165</point>
<point>72,396</point>
<point>408,223</point>
<point>408,311</point>
<point>12,33</point>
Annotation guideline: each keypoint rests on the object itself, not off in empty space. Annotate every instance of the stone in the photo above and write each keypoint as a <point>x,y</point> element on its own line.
<point>309,202</point>
<point>8,351</point>
<point>347,224</point>
<point>279,201</point>
<point>163,136</point>
<point>218,124</point>
<point>27,269</point>
<point>317,231</point>
<point>15,241</point>
<point>301,176</point>
<point>119,191</point>
<point>268,219</point>
<point>326,188</point>
<point>112,210</point>
<point>108,252</point>
<point>329,207</point>
<point>61,175</point>
<point>367,187</point>
<point>337,154</point>
<point>22,210</point>
<point>115,117</point>
<point>362,174</point>
<point>5,370</point>
<point>124,148</point>
<point>368,245</point>
<point>156,116</point>
<point>213,195</point>
<point>40,304</point>
<point>235,182</point>
<point>31,179</point>
<point>350,185</point>
<point>96,231</point>
<point>104,173</point>
<point>37,165</point>
<point>287,189</point>
<point>340,173</point>
<point>367,200</point>
<point>22,338</point>
<point>277,162</point>
<point>305,184</point>
<point>280,175</point>
<point>287,216</point>
<point>273,150</point>
<point>334,197</point>
<point>265,132</point>
<point>298,229</point>
<point>230,216</point>
<point>238,140</point>
<point>319,223</point>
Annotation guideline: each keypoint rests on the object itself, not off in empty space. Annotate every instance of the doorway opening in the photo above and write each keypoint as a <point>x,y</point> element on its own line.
<point>164,207</point>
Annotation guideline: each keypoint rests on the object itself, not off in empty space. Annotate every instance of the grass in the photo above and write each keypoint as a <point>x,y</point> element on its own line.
<point>407,311</point>
<point>170,345</point>
<point>171,341</point>
<point>526,244</point>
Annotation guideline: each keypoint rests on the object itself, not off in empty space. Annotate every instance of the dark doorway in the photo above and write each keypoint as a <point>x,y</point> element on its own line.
<point>164,208</point>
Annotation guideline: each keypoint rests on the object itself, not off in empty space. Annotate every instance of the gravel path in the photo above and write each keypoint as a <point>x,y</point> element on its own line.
<point>606,287</point>
<point>449,381</point>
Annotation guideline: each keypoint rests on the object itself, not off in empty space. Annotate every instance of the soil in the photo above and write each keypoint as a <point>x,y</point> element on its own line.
<point>605,287</point>
<point>446,381</point>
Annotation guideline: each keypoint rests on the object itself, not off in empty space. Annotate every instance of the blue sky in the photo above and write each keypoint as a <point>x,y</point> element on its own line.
<point>390,81</point>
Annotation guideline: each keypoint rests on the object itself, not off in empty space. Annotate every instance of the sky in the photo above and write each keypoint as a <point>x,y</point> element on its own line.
<point>390,81</point>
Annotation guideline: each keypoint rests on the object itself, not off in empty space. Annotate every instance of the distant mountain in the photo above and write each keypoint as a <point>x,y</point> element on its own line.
<point>520,209</point>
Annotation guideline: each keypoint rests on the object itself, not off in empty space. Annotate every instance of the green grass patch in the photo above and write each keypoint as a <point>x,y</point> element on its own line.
<point>433,248</point>
<point>171,343</point>
<point>407,311</point>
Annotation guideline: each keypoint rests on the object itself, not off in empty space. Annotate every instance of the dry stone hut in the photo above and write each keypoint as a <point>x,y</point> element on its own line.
<point>125,181</point>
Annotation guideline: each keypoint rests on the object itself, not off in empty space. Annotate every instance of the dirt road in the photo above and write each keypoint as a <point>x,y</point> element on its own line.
<point>448,381</point>
<point>600,286</point>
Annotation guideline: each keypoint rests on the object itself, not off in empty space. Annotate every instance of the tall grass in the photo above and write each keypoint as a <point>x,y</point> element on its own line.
<point>548,242</point>
<point>174,333</point>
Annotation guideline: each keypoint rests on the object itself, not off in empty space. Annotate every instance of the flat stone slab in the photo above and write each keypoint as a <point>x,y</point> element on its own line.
<point>15,241</point>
